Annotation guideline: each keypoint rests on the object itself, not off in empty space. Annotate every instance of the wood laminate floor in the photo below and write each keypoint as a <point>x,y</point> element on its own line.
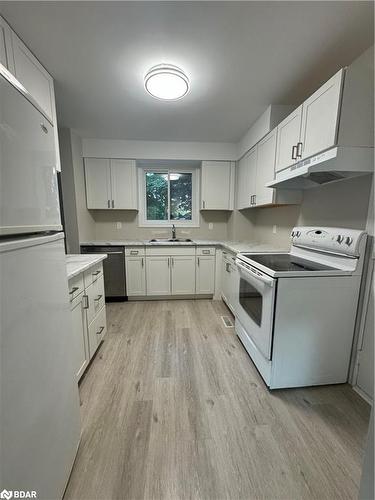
<point>173,408</point>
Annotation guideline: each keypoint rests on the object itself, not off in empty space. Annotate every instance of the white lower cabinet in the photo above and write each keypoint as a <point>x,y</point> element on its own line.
<point>87,305</point>
<point>135,276</point>
<point>158,275</point>
<point>205,275</point>
<point>183,275</point>
<point>80,334</point>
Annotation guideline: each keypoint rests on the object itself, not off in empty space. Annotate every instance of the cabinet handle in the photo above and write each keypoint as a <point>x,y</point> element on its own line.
<point>86,306</point>
<point>255,199</point>
<point>206,252</point>
<point>143,262</point>
<point>134,252</point>
<point>96,273</point>
<point>294,152</point>
<point>98,298</point>
<point>198,261</point>
<point>172,259</point>
<point>168,261</point>
<point>204,204</point>
<point>44,128</point>
<point>299,149</point>
<point>109,204</point>
<point>74,289</point>
<point>227,267</point>
<point>113,204</point>
<point>100,331</point>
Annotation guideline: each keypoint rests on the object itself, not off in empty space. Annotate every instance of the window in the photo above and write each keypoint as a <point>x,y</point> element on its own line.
<point>169,196</point>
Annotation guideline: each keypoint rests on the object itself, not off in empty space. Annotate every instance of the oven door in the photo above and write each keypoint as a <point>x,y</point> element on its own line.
<point>256,305</point>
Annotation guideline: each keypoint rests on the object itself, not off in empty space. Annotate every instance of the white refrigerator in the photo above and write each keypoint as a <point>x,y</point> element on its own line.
<point>39,401</point>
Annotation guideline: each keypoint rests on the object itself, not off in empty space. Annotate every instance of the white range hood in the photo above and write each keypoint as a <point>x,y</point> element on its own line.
<point>332,165</point>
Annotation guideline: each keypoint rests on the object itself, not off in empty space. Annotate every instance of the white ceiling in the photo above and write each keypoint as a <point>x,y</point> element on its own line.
<point>240,56</point>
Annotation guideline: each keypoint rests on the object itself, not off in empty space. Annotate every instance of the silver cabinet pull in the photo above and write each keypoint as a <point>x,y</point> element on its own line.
<point>100,331</point>
<point>74,289</point>
<point>172,261</point>
<point>198,261</point>
<point>204,204</point>
<point>86,305</point>
<point>299,149</point>
<point>143,263</point>
<point>109,204</point>
<point>255,199</point>
<point>227,267</point>
<point>96,273</point>
<point>134,252</point>
<point>113,204</point>
<point>168,261</point>
<point>44,128</point>
<point>206,252</point>
<point>294,152</point>
<point>98,298</point>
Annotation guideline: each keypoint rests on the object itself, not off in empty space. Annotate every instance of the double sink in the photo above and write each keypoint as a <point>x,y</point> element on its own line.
<point>171,240</point>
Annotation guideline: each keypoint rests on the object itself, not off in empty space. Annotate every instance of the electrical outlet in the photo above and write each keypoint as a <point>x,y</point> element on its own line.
<point>210,226</point>
<point>118,225</point>
<point>274,229</point>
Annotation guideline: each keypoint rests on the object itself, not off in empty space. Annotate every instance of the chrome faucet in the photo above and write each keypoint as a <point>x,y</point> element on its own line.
<point>173,232</point>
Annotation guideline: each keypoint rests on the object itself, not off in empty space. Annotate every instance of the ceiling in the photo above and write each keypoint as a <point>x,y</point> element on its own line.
<point>240,57</point>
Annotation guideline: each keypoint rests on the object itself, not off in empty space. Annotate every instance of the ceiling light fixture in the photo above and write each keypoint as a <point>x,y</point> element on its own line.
<point>166,82</point>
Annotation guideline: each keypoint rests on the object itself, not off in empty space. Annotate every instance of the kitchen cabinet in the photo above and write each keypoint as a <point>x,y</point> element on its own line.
<point>265,170</point>
<point>80,334</point>
<point>312,127</point>
<point>158,280</point>
<point>205,275</point>
<point>288,134</point>
<point>135,276</point>
<point>97,330</point>
<point>111,184</point>
<point>183,275</point>
<point>246,179</point>
<point>6,53</point>
<point>217,185</point>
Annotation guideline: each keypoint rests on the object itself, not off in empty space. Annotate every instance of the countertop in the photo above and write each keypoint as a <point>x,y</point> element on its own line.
<point>77,263</point>
<point>231,246</point>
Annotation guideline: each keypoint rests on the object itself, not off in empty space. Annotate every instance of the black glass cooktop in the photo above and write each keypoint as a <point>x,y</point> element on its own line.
<point>286,262</point>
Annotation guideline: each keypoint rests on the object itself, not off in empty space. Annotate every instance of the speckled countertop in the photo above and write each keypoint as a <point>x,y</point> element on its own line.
<point>77,263</point>
<point>231,246</point>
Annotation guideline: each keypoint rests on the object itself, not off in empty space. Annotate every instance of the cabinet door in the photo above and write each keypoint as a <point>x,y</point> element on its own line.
<point>98,183</point>
<point>205,275</point>
<point>80,336</point>
<point>158,281</point>
<point>288,134</point>
<point>246,179</point>
<point>320,116</point>
<point>183,275</point>
<point>6,52</point>
<point>124,185</point>
<point>217,185</point>
<point>225,279</point>
<point>265,168</point>
<point>33,76</point>
<point>97,330</point>
<point>135,276</point>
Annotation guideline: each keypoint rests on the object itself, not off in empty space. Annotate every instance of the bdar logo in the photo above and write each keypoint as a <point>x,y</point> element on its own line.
<point>6,494</point>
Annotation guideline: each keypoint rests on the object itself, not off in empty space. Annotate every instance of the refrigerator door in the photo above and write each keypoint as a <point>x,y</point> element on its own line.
<point>28,182</point>
<point>39,402</point>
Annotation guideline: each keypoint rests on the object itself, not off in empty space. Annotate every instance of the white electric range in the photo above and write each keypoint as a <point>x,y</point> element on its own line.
<point>297,310</point>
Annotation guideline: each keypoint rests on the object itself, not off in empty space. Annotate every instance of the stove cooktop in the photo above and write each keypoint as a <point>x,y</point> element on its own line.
<point>286,262</point>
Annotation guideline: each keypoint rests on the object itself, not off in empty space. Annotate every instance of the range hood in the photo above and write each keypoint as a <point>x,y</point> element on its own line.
<point>332,165</point>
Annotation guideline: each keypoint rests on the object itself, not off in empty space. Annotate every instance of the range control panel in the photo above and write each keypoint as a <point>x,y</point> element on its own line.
<point>329,239</point>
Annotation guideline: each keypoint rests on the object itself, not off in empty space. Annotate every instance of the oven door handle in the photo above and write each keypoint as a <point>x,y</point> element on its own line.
<point>255,273</point>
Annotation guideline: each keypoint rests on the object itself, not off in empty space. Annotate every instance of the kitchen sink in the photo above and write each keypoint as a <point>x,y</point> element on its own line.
<point>171,240</point>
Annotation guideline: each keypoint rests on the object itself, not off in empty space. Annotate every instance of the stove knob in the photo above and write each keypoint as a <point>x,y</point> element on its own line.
<point>340,238</point>
<point>348,240</point>
<point>293,234</point>
<point>298,234</point>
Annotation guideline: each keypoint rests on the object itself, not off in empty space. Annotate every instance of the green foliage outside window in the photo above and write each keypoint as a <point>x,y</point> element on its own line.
<point>180,196</point>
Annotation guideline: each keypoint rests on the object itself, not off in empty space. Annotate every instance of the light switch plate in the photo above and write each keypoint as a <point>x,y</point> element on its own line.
<point>210,225</point>
<point>118,225</point>
<point>274,229</point>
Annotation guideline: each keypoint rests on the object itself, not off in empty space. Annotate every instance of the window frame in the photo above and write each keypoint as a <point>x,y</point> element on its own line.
<point>142,216</point>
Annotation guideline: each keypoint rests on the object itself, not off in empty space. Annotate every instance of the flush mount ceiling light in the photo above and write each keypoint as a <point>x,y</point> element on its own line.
<point>166,82</point>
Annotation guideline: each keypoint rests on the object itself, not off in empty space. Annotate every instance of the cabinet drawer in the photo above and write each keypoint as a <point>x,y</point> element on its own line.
<point>206,250</point>
<point>92,274</point>
<point>170,250</point>
<point>96,298</point>
<point>97,330</point>
<point>135,251</point>
<point>75,286</point>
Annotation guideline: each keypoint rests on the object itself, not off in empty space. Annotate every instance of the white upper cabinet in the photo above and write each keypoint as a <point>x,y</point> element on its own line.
<point>98,183</point>
<point>217,185</point>
<point>246,179</point>
<point>288,134</point>
<point>6,55</point>
<point>33,76</point>
<point>265,169</point>
<point>111,184</point>
<point>320,117</point>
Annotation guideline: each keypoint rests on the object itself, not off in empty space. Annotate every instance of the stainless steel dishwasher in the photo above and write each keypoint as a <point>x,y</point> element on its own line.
<point>114,270</point>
